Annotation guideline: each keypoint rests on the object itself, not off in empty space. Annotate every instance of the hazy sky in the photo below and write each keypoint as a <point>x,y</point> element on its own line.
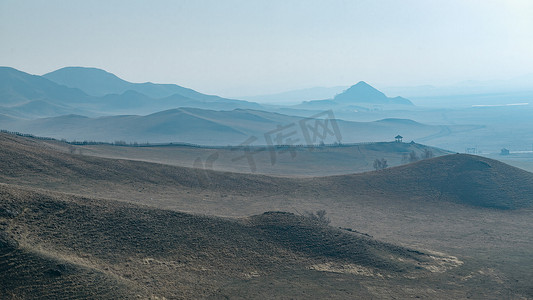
<point>252,47</point>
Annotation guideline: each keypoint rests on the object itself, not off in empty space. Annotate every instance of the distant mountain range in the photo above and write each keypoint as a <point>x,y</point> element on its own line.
<point>517,85</point>
<point>461,94</point>
<point>17,88</point>
<point>97,82</point>
<point>79,103</point>
<point>93,92</point>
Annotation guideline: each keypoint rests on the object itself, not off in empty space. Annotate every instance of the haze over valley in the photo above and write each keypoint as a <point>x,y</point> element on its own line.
<point>266,150</point>
<point>74,103</point>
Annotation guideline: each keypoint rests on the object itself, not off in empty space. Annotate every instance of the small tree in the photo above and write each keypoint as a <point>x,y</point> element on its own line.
<point>384,164</point>
<point>427,154</point>
<point>319,217</point>
<point>380,164</point>
<point>377,164</point>
<point>413,156</point>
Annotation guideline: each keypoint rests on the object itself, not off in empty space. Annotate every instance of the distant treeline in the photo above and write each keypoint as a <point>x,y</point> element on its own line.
<point>27,135</point>
<point>147,144</point>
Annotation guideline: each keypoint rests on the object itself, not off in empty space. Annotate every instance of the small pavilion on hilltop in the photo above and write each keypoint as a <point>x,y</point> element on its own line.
<point>399,138</point>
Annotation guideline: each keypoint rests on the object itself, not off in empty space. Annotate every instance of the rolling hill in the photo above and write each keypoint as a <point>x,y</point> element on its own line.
<point>456,178</point>
<point>52,204</point>
<point>62,246</point>
<point>221,128</point>
<point>461,178</point>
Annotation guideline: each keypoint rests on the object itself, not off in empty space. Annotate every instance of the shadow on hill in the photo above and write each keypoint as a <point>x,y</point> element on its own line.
<point>65,246</point>
<point>28,274</point>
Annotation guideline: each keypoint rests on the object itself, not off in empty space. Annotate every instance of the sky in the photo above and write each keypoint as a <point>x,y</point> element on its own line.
<point>254,47</point>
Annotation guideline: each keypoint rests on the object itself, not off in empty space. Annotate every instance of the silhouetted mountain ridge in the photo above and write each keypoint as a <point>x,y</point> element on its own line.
<point>76,88</point>
<point>98,82</point>
<point>17,87</point>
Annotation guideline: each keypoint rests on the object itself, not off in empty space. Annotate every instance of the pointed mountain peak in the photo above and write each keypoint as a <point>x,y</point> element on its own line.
<point>363,86</point>
<point>363,92</point>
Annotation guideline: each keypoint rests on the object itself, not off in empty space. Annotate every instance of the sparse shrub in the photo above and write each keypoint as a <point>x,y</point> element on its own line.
<point>319,217</point>
<point>384,163</point>
<point>427,154</point>
<point>380,164</point>
<point>377,164</point>
<point>71,149</point>
<point>413,156</point>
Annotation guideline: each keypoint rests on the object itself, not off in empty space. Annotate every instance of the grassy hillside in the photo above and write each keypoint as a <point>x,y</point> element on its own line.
<point>33,274</point>
<point>520,160</point>
<point>60,246</point>
<point>488,229</point>
<point>460,178</point>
